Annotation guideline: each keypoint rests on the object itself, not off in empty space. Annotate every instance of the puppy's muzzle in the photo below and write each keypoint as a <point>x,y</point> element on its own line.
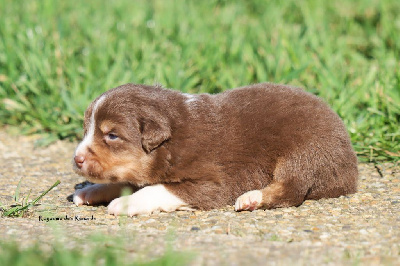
<point>79,160</point>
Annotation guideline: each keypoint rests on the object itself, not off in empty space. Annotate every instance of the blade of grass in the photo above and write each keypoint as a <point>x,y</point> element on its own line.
<point>19,210</point>
<point>16,195</point>
<point>27,197</point>
<point>44,193</point>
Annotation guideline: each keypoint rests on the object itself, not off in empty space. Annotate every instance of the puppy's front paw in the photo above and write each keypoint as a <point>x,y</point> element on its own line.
<point>85,195</point>
<point>249,201</point>
<point>146,201</point>
<point>130,205</point>
<point>97,193</point>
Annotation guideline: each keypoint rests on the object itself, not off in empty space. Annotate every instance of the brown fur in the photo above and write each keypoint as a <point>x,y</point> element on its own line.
<point>211,149</point>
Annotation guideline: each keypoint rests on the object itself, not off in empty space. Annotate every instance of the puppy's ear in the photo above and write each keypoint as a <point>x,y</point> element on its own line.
<point>154,133</point>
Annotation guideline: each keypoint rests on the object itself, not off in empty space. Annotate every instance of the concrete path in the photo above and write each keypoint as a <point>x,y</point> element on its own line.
<point>363,228</point>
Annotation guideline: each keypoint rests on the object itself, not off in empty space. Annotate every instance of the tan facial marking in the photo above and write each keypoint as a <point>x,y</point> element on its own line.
<point>107,126</point>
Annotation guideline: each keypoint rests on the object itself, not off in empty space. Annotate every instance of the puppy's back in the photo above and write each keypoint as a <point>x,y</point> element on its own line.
<point>292,135</point>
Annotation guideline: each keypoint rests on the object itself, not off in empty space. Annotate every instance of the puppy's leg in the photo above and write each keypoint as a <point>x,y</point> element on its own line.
<point>309,174</point>
<point>292,180</point>
<point>275,195</point>
<point>146,201</point>
<point>99,193</point>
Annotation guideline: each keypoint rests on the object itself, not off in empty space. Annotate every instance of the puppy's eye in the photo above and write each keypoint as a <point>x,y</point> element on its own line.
<point>112,136</point>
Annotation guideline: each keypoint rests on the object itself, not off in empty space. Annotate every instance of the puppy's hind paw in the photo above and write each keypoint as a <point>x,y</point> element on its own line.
<point>249,201</point>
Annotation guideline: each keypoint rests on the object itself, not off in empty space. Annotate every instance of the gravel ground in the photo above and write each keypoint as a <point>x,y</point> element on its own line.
<point>363,228</point>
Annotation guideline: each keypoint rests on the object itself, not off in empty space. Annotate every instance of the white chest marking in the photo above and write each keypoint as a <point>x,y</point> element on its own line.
<point>88,139</point>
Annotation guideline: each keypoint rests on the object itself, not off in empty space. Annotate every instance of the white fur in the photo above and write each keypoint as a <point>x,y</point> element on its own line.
<point>88,139</point>
<point>190,98</point>
<point>78,198</point>
<point>146,201</point>
<point>249,201</point>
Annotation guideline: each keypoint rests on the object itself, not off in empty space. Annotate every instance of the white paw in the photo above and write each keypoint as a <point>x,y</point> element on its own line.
<point>249,201</point>
<point>146,201</point>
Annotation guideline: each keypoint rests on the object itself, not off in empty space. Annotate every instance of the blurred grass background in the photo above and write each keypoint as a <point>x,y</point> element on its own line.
<point>93,250</point>
<point>57,56</point>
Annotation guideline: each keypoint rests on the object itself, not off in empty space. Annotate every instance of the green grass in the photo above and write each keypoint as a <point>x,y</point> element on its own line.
<point>98,250</point>
<point>57,56</point>
<point>21,205</point>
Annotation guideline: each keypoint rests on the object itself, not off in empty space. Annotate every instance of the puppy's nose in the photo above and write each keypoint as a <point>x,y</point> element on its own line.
<point>79,161</point>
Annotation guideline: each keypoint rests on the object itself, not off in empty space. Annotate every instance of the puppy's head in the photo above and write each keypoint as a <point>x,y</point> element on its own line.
<point>123,128</point>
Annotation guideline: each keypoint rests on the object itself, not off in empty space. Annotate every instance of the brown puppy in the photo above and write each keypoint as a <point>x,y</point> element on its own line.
<point>261,146</point>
